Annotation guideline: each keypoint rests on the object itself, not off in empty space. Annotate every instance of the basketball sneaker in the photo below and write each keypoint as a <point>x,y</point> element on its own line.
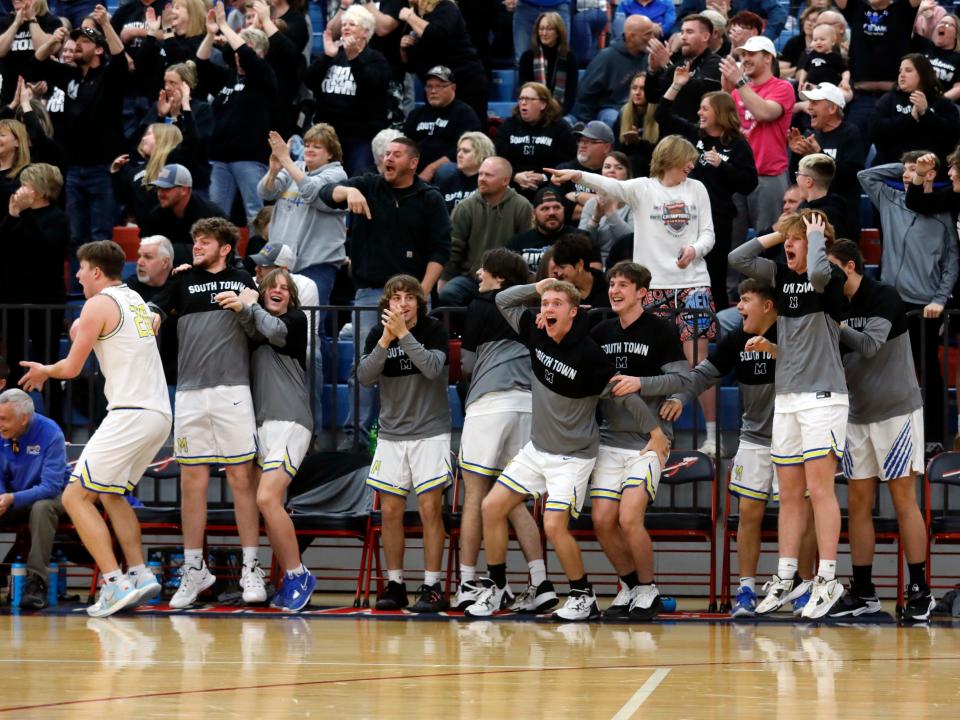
<point>394,597</point>
<point>147,585</point>
<point>745,604</point>
<point>823,597</point>
<point>296,592</point>
<point>492,599</point>
<point>776,595</point>
<point>800,596</point>
<point>620,607</point>
<point>431,600</point>
<point>853,605</point>
<point>252,583</point>
<point>467,594</point>
<point>535,600</point>
<point>919,604</point>
<point>193,581</point>
<point>580,605</point>
<point>113,598</point>
<point>647,603</point>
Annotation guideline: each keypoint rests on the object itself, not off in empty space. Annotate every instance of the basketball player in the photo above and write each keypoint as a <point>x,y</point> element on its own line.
<point>884,434</point>
<point>116,325</point>
<point>496,426</point>
<point>278,328</point>
<point>407,354</point>
<point>625,478</point>
<point>214,418</point>
<point>570,372</point>
<point>810,407</point>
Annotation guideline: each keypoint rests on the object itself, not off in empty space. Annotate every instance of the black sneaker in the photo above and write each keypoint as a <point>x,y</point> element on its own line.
<point>854,605</point>
<point>535,600</point>
<point>646,603</point>
<point>34,594</point>
<point>394,597</point>
<point>919,605</point>
<point>431,600</point>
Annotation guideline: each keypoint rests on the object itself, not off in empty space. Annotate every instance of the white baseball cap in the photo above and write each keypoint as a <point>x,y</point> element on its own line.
<point>825,91</point>
<point>759,43</point>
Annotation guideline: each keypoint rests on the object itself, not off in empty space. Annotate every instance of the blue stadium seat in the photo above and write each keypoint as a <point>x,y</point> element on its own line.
<point>502,86</point>
<point>872,271</point>
<point>728,412</point>
<point>342,391</point>
<point>866,213</point>
<point>456,411</point>
<point>500,109</point>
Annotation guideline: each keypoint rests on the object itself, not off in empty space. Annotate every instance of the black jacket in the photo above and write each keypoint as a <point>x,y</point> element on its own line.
<point>704,78</point>
<point>351,95</point>
<point>407,229</point>
<point>894,131</point>
<point>162,221</point>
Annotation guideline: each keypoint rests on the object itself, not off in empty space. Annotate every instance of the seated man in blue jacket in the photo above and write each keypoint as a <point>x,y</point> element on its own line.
<point>33,473</point>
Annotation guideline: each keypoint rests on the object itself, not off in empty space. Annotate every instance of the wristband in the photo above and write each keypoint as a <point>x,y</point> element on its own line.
<point>742,81</point>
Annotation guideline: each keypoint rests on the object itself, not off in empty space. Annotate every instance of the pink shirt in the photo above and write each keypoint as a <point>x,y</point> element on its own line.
<point>768,139</point>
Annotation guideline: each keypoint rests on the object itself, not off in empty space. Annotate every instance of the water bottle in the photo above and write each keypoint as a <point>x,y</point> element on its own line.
<point>18,574</point>
<point>669,603</point>
<point>156,568</point>
<point>372,437</point>
<point>53,573</point>
<point>61,576</point>
<point>699,323</point>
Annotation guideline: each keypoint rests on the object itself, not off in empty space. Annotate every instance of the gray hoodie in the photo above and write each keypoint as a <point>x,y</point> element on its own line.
<point>301,220</point>
<point>919,251</point>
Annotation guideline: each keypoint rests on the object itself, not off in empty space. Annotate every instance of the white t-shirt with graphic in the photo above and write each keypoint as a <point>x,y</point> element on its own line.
<point>665,219</point>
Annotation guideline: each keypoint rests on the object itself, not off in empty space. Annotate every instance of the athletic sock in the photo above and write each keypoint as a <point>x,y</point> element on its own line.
<point>136,570</point>
<point>581,584</point>
<point>749,582</point>
<point>918,574</point>
<point>395,576</point>
<point>113,577</point>
<point>498,573</point>
<point>538,572</point>
<point>712,432</point>
<point>193,557</point>
<point>297,571</point>
<point>431,578</point>
<point>468,573</point>
<point>863,580</point>
<point>630,580</point>
<point>827,569</point>
<point>786,568</point>
<point>249,556</point>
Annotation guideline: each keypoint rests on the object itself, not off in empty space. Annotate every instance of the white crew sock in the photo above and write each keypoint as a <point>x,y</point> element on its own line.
<point>136,570</point>
<point>395,576</point>
<point>712,432</point>
<point>786,568</point>
<point>431,578</point>
<point>538,572</point>
<point>748,582</point>
<point>249,556</point>
<point>468,573</point>
<point>193,557</point>
<point>827,569</point>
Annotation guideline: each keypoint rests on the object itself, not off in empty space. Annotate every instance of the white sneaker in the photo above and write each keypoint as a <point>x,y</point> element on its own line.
<point>147,585</point>
<point>193,581</point>
<point>489,602</point>
<point>467,594</point>
<point>536,599</point>
<point>580,605</point>
<point>620,607</point>
<point>823,597</point>
<point>709,448</point>
<point>646,604</point>
<point>777,591</point>
<point>113,598</point>
<point>253,584</point>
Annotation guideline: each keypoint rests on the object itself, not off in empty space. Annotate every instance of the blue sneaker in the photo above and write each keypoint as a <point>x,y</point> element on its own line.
<point>113,598</point>
<point>745,604</point>
<point>799,603</point>
<point>280,596</point>
<point>297,591</point>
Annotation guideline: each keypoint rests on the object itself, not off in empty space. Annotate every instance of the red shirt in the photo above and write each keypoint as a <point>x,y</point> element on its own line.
<point>768,139</point>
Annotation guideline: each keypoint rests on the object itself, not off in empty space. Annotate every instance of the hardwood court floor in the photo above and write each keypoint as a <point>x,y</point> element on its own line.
<point>201,667</point>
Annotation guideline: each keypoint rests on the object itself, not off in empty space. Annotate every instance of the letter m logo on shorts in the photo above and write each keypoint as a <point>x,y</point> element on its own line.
<point>181,445</point>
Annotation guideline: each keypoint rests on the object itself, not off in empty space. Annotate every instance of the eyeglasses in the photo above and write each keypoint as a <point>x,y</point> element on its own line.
<point>523,99</point>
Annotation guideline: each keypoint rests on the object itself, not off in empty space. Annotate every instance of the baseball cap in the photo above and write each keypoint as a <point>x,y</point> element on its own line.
<point>594,130</point>
<point>94,36</point>
<point>718,20</point>
<point>547,194</point>
<point>174,176</point>
<point>825,91</point>
<point>442,72</point>
<point>274,254</point>
<point>759,43</point>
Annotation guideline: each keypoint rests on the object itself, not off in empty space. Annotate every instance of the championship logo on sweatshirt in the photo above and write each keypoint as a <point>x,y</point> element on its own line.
<point>675,215</point>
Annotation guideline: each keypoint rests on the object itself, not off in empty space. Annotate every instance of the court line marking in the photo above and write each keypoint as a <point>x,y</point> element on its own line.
<point>641,695</point>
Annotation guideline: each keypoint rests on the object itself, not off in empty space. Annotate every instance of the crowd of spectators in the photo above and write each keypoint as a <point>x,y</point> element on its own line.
<point>164,113</point>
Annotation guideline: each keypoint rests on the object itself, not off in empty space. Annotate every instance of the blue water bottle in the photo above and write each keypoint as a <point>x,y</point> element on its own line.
<point>18,574</point>
<point>61,576</point>
<point>53,573</point>
<point>669,603</point>
<point>156,568</point>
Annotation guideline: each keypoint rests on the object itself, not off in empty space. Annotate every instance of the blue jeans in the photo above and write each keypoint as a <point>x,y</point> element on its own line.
<point>444,172</point>
<point>357,156</point>
<point>459,291</point>
<point>585,38</point>
<point>523,19</point>
<point>242,175</point>
<point>90,204</point>
<point>323,275</point>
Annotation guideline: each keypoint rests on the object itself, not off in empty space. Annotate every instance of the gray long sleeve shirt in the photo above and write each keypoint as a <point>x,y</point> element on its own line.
<point>413,375</point>
<point>810,306</point>
<point>569,378</point>
<point>920,253</point>
<point>278,384</point>
<point>315,231</point>
<point>877,357</point>
<point>491,352</point>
